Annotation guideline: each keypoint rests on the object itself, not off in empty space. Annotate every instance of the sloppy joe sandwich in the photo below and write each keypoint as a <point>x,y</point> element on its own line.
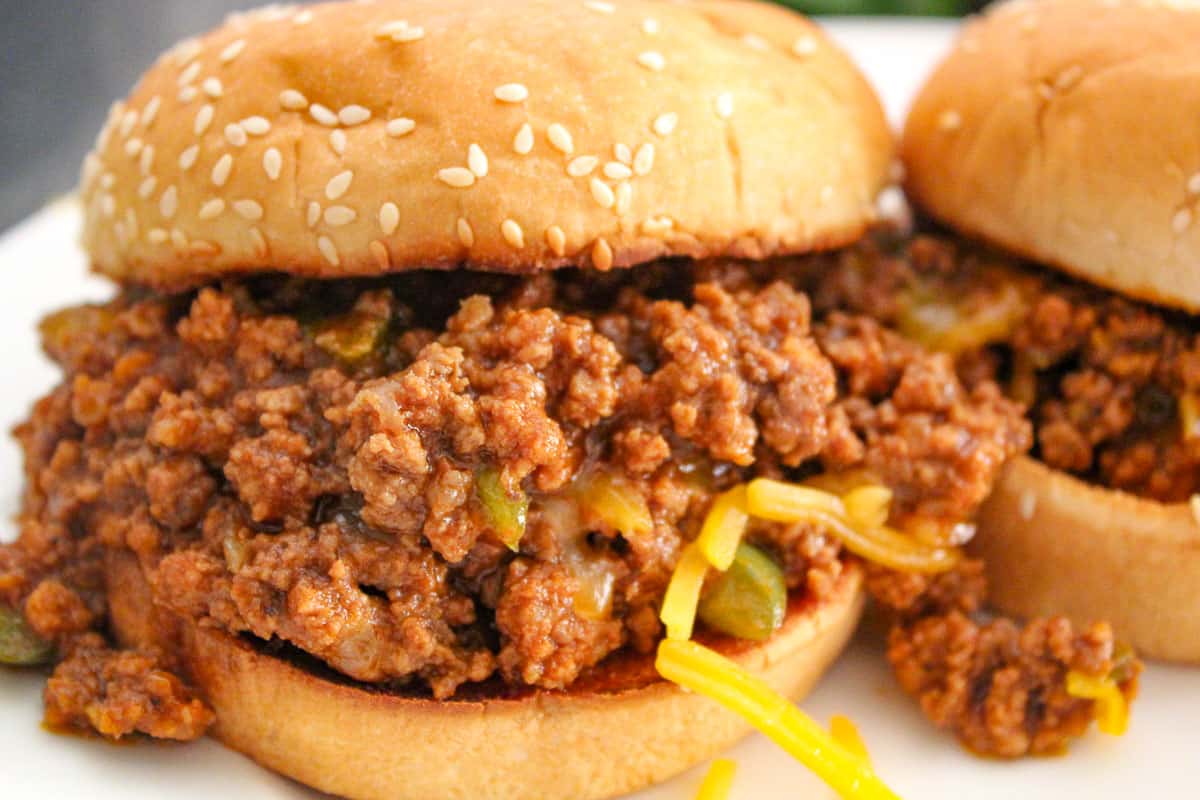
<point>1061,134</point>
<point>460,398</point>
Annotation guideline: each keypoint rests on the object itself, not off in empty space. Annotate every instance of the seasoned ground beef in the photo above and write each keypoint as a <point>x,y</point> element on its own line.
<point>432,480</point>
<point>1113,386</point>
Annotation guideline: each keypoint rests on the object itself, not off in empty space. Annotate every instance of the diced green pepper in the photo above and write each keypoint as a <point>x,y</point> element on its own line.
<point>20,646</point>
<point>504,513</point>
<point>353,337</point>
<point>749,600</point>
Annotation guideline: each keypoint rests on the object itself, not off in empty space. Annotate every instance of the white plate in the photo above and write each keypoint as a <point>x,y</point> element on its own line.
<point>43,270</point>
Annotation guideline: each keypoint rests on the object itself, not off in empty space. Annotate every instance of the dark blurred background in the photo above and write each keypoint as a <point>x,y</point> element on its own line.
<point>66,60</point>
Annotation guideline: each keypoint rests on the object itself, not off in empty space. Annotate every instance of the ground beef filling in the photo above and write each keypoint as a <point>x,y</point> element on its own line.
<point>1112,386</point>
<point>434,480</point>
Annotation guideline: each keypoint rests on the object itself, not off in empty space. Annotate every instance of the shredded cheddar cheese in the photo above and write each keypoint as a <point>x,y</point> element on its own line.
<point>783,502</point>
<point>678,612</point>
<point>705,672</point>
<point>1112,712</point>
<point>723,528</point>
<point>846,734</point>
<point>718,780</point>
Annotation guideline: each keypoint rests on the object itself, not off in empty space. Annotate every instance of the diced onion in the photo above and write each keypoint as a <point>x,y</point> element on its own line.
<point>718,780</point>
<point>1189,415</point>
<point>683,593</point>
<point>723,528</point>
<point>846,734</point>
<point>1112,712</point>
<point>701,670</point>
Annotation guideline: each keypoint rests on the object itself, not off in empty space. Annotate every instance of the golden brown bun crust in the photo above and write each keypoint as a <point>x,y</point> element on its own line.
<point>717,128</point>
<point>603,738</point>
<point>1056,545</point>
<point>1066,132</point>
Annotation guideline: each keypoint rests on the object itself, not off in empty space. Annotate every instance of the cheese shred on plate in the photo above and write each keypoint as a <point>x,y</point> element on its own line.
<point>718,780</point>
<point>1112,712</point>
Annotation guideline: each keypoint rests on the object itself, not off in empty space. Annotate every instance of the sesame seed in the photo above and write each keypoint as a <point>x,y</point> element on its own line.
<point>512,233</point>
<point>658,226</point>
<point>477,161</point>
<point>949,120</point>
<point>523,141</point>
<point>561,139</point>
<point>313,216</point>
<point>602,193</point>
<point>292,100</point>
<point>650,26</point>
<point>108,180</point>
<point>755,42</point>
<point>512,93</point>
<point>339,184</point>
<point>380,253</point>
<point>466,234</point>
<point>212,209</point>
<point>273,163</point>
<point>256,126</point>
<point>622,153</point>
<point>168,204</point>
<point>260,242</point>
<point>624,197</point>
<point>1182,220</point>
<point>185,50</point>
<point>236,135</point>
<point>1194,184</point>
<point>325,245</point>
<point>652,60</point>
<point>1027,505</point>
<point>203,120</point>
<point>389,218</point>
<point>354,115</point>
<point>600,6</point>
<point>323,115</point>
<point>178,238</point>
<point>247,209</point>
<point>582,166</point>
<point>1195,504</point>
<point>108,205</point>
<point>147,187</point>
<point>643,162</point>
<point>724,105</point>
<point>187,94</point>
<point>337,216</point>
<point>337,140</point>
<point>91,168</point>
<point>232,51</point>
<point>400,126</point>
<point>157,236</point>
<point>146,162</point>
<point>221,170</point>
<point>400,31</point>
<point>665,124</point>
<point>804,46</point>
<point>133,147</point>
<point>615,170</point>
<point>150,111</point>
<point>557,240</point>
<point>212,87</point>
<point>187,159</point>
<point>1068,77</point>
<point>303,18</point>
<point>458,177</point>
<point>602,256</point>
<point>189,73</point>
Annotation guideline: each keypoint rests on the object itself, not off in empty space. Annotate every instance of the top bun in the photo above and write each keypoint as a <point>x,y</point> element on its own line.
<point>365,138</point>
<point>1069,132</point>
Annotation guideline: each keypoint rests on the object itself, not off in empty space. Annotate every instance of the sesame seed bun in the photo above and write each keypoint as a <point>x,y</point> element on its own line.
<point>358,139</point>
<point>1054,544</point>
<point>618,731</point>
<point>1066,132</point>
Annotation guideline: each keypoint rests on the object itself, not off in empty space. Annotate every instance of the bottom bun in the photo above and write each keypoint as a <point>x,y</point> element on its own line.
<point>612,733</point>
<point>1054,544</point>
